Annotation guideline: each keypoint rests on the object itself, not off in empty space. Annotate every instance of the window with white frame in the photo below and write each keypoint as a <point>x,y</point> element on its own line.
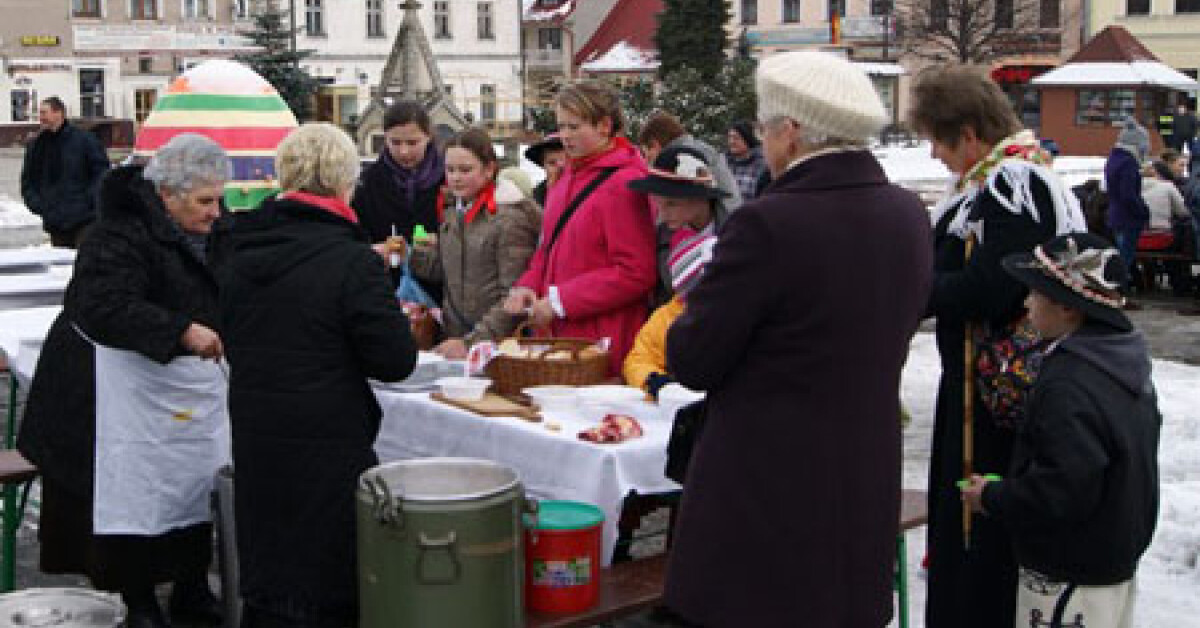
<point>485,21</point>
<point>314,18</point>
<point>241,9</point>
<point>24,105</point>
<point>791,11</point>
<point>1187,6</point>
<point>85,8</point>
<point>749,12</point>
<point>549,39</point>
<point>193,9</point>
<point>441,19</point>
<point>143,9</point>
<point>375,18</point>
<point>487,103</point>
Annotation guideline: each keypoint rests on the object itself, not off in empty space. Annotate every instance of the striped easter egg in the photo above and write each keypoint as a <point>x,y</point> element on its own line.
<point>238,109</point>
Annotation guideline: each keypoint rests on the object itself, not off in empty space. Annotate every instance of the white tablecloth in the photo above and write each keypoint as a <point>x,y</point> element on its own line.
<point>21,335</point>
<point>34,289</point>
<point>552,465</point>
<point>34,259</point>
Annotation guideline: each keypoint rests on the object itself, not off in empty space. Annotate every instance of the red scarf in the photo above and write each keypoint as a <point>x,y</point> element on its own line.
<point>335,206</point>
<point>485,198</point>
<point>618,143</point>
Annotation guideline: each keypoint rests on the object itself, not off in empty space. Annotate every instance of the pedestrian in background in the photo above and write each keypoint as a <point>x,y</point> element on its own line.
<point>1127,210</point>
<point>61,175</point>
<point>745,159</point>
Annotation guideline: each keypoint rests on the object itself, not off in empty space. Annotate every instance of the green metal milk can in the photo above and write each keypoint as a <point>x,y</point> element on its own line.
<point>440,545</point>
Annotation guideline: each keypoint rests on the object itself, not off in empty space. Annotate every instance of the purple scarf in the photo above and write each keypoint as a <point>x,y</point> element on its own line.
<point>412,180</point>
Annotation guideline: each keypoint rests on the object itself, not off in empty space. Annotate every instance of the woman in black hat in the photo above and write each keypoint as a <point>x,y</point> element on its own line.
<point>745,159</point>
<point>1081,496</point>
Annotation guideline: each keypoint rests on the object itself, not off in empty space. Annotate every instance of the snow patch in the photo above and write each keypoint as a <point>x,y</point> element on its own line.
<point>1114,73</point>
<point>622,57</point>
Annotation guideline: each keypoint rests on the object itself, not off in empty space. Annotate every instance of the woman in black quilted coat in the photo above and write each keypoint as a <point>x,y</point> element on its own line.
<point>144,283</point>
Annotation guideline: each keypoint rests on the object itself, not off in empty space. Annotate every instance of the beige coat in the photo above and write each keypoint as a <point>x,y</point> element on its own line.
<point>478,262</point>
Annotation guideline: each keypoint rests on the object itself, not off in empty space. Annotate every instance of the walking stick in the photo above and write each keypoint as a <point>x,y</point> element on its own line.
<point>968,434</point>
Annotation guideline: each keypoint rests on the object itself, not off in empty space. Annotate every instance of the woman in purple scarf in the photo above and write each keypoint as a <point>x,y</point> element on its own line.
<point>399,191</point>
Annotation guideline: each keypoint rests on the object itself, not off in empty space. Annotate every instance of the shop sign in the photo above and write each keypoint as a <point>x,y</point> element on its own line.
<point>39,40</point>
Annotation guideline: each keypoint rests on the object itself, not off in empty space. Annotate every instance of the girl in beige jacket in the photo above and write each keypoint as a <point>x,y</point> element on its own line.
<point>487,232</point>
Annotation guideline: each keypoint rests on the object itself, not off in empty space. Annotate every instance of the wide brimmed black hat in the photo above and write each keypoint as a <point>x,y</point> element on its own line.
<point>679,172</point>
<point>537,152</point>
<point>1078,270</point>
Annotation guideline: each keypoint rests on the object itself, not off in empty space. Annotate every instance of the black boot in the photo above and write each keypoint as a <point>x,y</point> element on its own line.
<point>193,603</point>
<point>142,609</point>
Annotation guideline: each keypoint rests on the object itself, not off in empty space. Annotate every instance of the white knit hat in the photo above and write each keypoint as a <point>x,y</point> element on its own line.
<point>821,91</point>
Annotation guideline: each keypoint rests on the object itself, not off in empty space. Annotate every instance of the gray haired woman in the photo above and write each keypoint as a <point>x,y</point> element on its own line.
<point>126,415</point>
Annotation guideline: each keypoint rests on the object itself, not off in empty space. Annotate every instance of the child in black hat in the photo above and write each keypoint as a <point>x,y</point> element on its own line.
<point>1081,498</point>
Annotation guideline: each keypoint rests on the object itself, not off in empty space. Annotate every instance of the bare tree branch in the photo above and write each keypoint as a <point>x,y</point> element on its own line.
<point>977,31</point>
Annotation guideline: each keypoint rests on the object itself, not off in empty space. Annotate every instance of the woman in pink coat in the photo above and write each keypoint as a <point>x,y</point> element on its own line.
<point>594,268</point>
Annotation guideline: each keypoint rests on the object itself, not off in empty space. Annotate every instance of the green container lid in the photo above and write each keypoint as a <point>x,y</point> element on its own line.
<point>564,515</point>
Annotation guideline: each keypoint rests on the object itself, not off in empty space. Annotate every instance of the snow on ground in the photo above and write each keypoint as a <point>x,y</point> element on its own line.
<point>1169,575</point>
<point>18,226</point>
<point>916,164</point>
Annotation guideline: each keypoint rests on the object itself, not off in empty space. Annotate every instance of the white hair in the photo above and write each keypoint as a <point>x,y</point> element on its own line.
<point>188,161</point>
<point>812,139</point>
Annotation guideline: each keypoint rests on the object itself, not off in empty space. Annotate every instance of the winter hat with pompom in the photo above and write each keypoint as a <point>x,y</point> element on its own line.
<point>822,92</point>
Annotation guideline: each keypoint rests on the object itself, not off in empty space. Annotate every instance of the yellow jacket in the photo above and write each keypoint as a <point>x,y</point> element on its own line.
<point>649,353</point>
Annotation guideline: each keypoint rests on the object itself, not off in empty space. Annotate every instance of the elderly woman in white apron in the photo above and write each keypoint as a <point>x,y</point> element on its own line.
<point>126,417</point>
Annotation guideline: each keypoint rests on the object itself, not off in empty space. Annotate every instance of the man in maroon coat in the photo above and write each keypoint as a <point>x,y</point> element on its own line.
<point>798,332</point>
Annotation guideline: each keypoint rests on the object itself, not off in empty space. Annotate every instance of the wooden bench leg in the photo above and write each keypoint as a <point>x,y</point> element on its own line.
<point>902,579</point>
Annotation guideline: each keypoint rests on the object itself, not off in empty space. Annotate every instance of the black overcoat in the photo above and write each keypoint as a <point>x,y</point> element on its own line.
<point>137,285</point>
<point>798,331</point>
<point>308,316</point>
<point>975,587</point>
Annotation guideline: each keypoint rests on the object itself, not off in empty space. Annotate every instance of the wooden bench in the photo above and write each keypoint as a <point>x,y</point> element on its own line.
<point>627,588</point>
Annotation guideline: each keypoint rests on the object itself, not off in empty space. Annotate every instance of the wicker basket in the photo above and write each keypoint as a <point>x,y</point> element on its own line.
<point>510,375</point>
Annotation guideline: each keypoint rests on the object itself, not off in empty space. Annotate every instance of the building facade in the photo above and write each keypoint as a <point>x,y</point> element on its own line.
<point>476,43</point>
<point>107,58</point>
<point>868,31</point>
<point>1168,28</point>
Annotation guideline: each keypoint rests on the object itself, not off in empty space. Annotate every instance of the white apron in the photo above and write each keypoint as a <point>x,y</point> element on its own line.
<point>162,431</point>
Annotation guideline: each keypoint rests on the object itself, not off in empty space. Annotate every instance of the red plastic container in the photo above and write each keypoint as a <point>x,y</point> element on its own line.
<point>562,557</point>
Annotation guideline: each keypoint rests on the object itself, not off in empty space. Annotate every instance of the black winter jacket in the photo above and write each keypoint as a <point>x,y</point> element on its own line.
<point>381,205</point>
<point>63,193</point>
<point>308,316</point>
<point>1081,498</point>
<point>137,286</point>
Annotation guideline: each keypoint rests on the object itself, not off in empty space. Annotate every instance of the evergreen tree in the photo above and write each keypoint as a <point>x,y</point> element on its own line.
<point>275,60</point>
<point>705,107</point>
<point>691,34</point>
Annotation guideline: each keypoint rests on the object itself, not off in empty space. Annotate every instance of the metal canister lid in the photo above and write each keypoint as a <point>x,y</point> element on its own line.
<point>60,608</point>
<point>442,479</point>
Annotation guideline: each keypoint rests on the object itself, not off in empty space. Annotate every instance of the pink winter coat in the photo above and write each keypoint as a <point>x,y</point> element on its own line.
<point>603,263</point>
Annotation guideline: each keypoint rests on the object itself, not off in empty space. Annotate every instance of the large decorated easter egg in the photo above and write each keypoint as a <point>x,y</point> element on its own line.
<point>239,110</point>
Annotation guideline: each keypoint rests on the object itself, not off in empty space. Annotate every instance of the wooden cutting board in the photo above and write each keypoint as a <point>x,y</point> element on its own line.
<point>491,405</point>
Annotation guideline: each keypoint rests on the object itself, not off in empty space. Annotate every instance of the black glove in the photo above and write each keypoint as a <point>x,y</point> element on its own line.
<point>655,381</point>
